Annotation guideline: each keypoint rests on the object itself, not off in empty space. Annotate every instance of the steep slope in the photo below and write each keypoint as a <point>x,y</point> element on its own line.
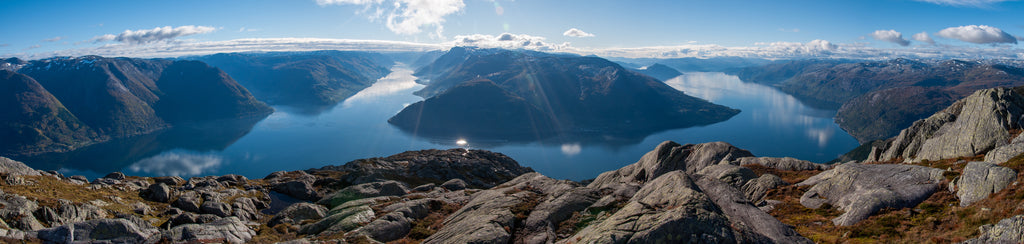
<point>34,120</point>
<point>120,97</point>
<point>659,71</point>
<point>320,78</point>
<point>475,108</point>
<point>878,98</point>
<point>578,93</point>
<point>194,91</point>
<point>971,126</point>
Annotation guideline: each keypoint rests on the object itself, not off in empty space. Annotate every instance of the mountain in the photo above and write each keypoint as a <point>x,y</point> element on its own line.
<point>302,79</point>
<point>477,107</point>
<point>96,98</point>
<point>876,99</point>
<point>659,71</point>
<point>34,120</point>
<point>577,94</point>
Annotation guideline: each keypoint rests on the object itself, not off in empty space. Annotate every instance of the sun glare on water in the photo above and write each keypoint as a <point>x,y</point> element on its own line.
<point>461,142</point>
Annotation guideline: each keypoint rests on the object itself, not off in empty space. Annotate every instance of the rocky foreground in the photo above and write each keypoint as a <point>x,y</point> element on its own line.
<point>707,193</point>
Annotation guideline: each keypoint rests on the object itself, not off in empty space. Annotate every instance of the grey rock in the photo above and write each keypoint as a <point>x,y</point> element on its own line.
<point>365,190</point>
<point>18,211</point>
<point>971,126</point>
<point>399,220</point>
<point>229,230</point>
<point>1009,230</point>
<point>1004,153</point>
<point>785,163</point>
<point>245,209</point>
<point>301,189</point>
<point>297,213</point>
<point>454,184</point>
<point>733,175</point>
<point>752,222</point>
<point>159,192</point>
<point>189,201</point>
<point>15,168</point>
<point>190,218</point>
<point>670,156</point>
<point>668,209</point>
<point>343,221</point>
<point>216,208</point>
<point>542,223</point>
<point>115,176</point>
<point>67,212</point>
<point>233,179</point>
<point>169,180</point>
<point>860,190</point>
<point>131,230</point>
<point>756,189</point>
<point>425,187</point>
<point>980,179</point>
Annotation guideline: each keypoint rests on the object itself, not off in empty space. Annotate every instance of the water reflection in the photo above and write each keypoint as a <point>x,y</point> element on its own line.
<point>393,83</point>
<point>765,104</point>
<point>178,163</point>
<point>99,159</point>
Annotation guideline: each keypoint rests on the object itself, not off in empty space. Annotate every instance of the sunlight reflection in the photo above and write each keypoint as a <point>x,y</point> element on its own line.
<point>399,80</point>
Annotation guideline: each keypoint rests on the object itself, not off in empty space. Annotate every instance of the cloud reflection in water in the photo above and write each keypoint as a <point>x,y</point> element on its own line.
<point>178,163</point>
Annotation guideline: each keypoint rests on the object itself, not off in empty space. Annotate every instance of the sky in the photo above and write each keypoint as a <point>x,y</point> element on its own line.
<point>653,28</point>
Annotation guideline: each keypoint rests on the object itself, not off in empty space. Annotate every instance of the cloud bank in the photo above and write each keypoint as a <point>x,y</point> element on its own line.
<point>979,34</point>
<point>407,17</point>
<point>508,41</point>
<point>154,35</point>
<point>890,36</point>
<point>573,32</point>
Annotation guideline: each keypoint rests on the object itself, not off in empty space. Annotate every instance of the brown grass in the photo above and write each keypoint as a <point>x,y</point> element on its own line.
<point>47,190</point>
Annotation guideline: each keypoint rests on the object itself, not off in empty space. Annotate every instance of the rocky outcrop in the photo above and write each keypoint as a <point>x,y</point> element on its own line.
<point>365,190</point>
<point>860,190</point>
<point>786,163</point>
<point>1010,230</point>
<point>121,230</point>
<point>980,179</point>
<point>226,230</point>
<point>478,168</point>
<point>670,156</point>
<point>1006,152</point>
<point>297,213</point>
<point>972,126</point>
<point>15,168</point>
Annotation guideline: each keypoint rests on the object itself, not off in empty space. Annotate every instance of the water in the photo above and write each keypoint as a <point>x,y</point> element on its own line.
<point>771,124</point>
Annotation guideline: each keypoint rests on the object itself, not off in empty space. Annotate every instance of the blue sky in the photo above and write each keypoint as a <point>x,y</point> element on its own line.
<point>35,29</point>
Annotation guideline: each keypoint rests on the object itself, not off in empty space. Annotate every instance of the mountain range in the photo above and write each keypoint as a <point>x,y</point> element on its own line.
<point>876,99</point>
<point>65,103</point>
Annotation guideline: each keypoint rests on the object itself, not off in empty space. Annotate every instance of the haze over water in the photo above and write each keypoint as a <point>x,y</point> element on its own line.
<point>771,124</point>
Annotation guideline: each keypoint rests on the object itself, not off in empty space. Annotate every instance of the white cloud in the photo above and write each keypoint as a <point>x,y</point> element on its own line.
<point>923,37</point>
<point>980,34</point>
<point>186,48</point>
<point>508,41</point>
<point>573,32</point>
<point>794,30</point>
<point>890,36</point>
<point>966,3</point>
<point>55,39</point>
<point>154,35</point>
<point>408,17</point>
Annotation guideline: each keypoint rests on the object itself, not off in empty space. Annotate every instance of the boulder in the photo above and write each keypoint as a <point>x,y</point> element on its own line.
<point>131,230</point>
<point>1004,153</point>
<point>756,189</point>
<point>733,175</point>
<point>18,211</point>
<point>159,192</point>
<point>216,208</point>
<point>425,187</point>
<point>170,180</point>
<point>365,190</point>
<point>343,220</point>
<point>297,213</point>
<point>67,212</point>
<point>229,230</point>
<point>190,218</point>
<point>786,163</point>
<point>399,220</point>
<point>670,156</point>
<point>301,189</point>
<point>980,179</point>
<point>1009,230</point>
<point>189,201</point>
<point>15,168</point>
<point>115,176</point>
<point>454,185</point>
<point>668,209</point>
<point>245,209</point>
<point>753,224</point>
<point>860,190</point>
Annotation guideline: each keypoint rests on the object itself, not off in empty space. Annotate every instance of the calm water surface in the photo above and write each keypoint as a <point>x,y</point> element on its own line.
<point>771,124</point>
